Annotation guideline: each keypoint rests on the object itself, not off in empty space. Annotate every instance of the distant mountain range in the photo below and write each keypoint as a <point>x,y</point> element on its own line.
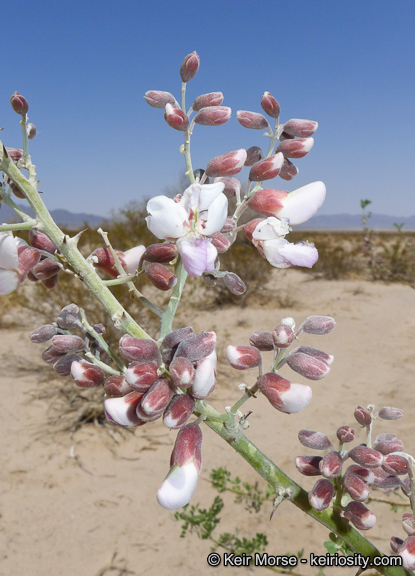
<point>76,221</point>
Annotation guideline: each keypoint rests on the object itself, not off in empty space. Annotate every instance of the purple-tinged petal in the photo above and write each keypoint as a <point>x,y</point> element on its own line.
<point>198,256</point>
<point>300,254</point>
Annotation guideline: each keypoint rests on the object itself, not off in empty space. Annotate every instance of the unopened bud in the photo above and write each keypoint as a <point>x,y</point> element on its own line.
<point>262,340</point>
<point>14,153</point>
<point>243,357</point>
<point>87,375</point>
<point>157,398</point>
<point>159,99</point>
<point>345,434</point>
<point>103,259</point>
<point>122,410</point>
<point>360,516</point>
<point>205,377</point>
<point>314,440</point>
<point>366,457</point>
<point>284,396</point>
<point>161,253</point>
<point>288,170</point>
<point>283,336</point>
<point>68,343</point>
<point>68,317</point>
<point>389,413</point>
<point>51,282</point>
<point>171,341</point>
<point>141,349</point>
<point>31,131</point>
<point>395,465</point>
<point>252,120</point>
<point>396,544</point>
<point>46,269</point>
<point>160,277</point>
<point>213,116</point>
<point>407,552</point>
<point>232,188</point>
<point>182,372</point>
<point>387,443</point>
<point>308,465</point>
<point>385,481</point>
<point>63,366</point>
<point>141,375</point>
<point>307,366</point>
<point>270,105</point>
<point>300,128</point>
<point>28,258</point>
<point>19,104</point>
<point>40,241</point>
<point>253,155</point>
<point>16,191</point>
<point>178,411</point>
<point>43,333</point>
<point>266,169</point>
<point>331,464</point>
<point>315,353</point>
<point>321,494</point>
<point>297,148</point>
<point>229,223</point>
<point>205,100</point>
<point>227,164</point>
<point>367,475</point>
<point>176,118</point>
<point>220,242</point>
<point>317,325</point>
<point>362,416</point>
<point>234,284</point>
<point>189,67</point>
<point>196,347</point>
<point>117,386</point>
<point>408,523</point>
<point>51,355</point>
<point>267,201</point>
<point>356,487</point>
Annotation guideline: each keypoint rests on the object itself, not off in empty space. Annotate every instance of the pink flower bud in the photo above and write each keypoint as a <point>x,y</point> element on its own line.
<point>283,336</point>
<point>319,354</point>
<point>171,341</point>
<point>157,398</point>
<point>104,260</point>
<point>262,340</point>
<point>16,191</point>
<point>141,349</point>
<point>360,516</point>
<point>297,148</point>
<point>161,253</point>
<point>317,325</point>
<point>14,153</point>
<point>189,67</point>
<point>230,224</point>
<point>227,164</point>
<point>253,155</point>
<point>395,465</point>
<point>205,377</point>
<point>250,227</point>
<point>43,333</point>
<point>367,475</point>
<point>196,347</point>
<point>308,465</point>
<point>63,366</point>
<point>178,411</point>
<point>300,128</point>
<point>52,355</point>
<point>408,523</point>
<point>396,544</point>
<point>331,464</point>
<point>385,481</point>
<point>116,386</point>
<point>160,277</point>
<point>122,410</point>
<point>19,104</point>
<point>267,201</point>
<point>270,105</point>
<point>389,413</point>
<point>387,443</point>
<point>252,120</point>
<point>87,375</point>
<point>40,241</point>
<point>362,416</point>
<point>141,375</point>
<point>205,100</point>
<point>28,258</point>
<point>232,187</point>
<point>176,118</point>
<point>243,357</point>
<point>68,343</point>
<point>407,552</point>
<point>345,434</point>
<point>321,494</point>
<point>284,396</point>
<point>288,170</point>
<point>234,283</point>
<point>308,366</point>
<point>159,99</point>
<point>220,242</point>
<point>68,317</point>
<point>366,457</point>
<point>186,463</point>
<point>356,487</point>
<point>266,169</point>
<point>51,282</point>
<point>213,116</point>
<point>46,269</point>
<point>182,372</point>
<point>314,440</point>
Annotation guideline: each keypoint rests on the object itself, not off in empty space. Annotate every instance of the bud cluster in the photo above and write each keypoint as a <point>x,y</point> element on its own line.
<point>381,465</point>
<point>309,362</point>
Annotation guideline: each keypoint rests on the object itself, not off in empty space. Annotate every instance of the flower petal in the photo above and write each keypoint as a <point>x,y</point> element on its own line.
<point>300,205</point>
<point>216,215</point>
<point>300,254</point>
<point>178,487</point>
<point>272,252</point>
<point>166,217</point>
<point>8,251</point>
<point>132,258</point>
<point>271,228</point>
<point>198,256</point>
<point>8,281</point>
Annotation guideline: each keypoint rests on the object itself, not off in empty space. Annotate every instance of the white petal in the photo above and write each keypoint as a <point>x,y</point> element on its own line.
<point>205,377</point>
<point>301,205</point>
<point>166,218</point>
<point>178,487</point>
<point>198,256</point>
<point>123,410</point>
<point>216,215</point>
<point>8,281</point>
<point>132,258</point>
<point>272,251</point>
<point>8,251</point>
<point>209,193</point>
<point>296,398</point>
<point>271,228</point>
<point>300,254</point>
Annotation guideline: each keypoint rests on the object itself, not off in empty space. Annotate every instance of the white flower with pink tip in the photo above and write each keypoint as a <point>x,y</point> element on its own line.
<point>9,262</point>
<point>201,211</point>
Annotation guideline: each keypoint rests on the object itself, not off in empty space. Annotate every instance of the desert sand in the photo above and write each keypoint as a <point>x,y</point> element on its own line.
<point>84,503</point>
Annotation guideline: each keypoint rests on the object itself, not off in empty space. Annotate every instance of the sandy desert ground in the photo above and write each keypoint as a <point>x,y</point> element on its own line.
<point>83,504</point>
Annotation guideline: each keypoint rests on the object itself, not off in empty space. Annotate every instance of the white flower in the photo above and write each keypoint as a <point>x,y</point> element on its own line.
<point>9,262</point>
<point>200,212</point>
<point>303,203</point>
<point>268,237</point>
<point>179,486</point>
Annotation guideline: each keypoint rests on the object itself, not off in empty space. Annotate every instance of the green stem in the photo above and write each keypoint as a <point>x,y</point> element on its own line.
<point>168,315</point>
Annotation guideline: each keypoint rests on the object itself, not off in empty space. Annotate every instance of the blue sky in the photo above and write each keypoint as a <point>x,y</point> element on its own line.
<point>84,67</point>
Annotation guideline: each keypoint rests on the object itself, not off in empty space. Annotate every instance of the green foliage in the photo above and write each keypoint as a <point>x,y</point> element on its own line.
<point>242,546</point>
<point>250,494</point>
<point>200,521</point>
